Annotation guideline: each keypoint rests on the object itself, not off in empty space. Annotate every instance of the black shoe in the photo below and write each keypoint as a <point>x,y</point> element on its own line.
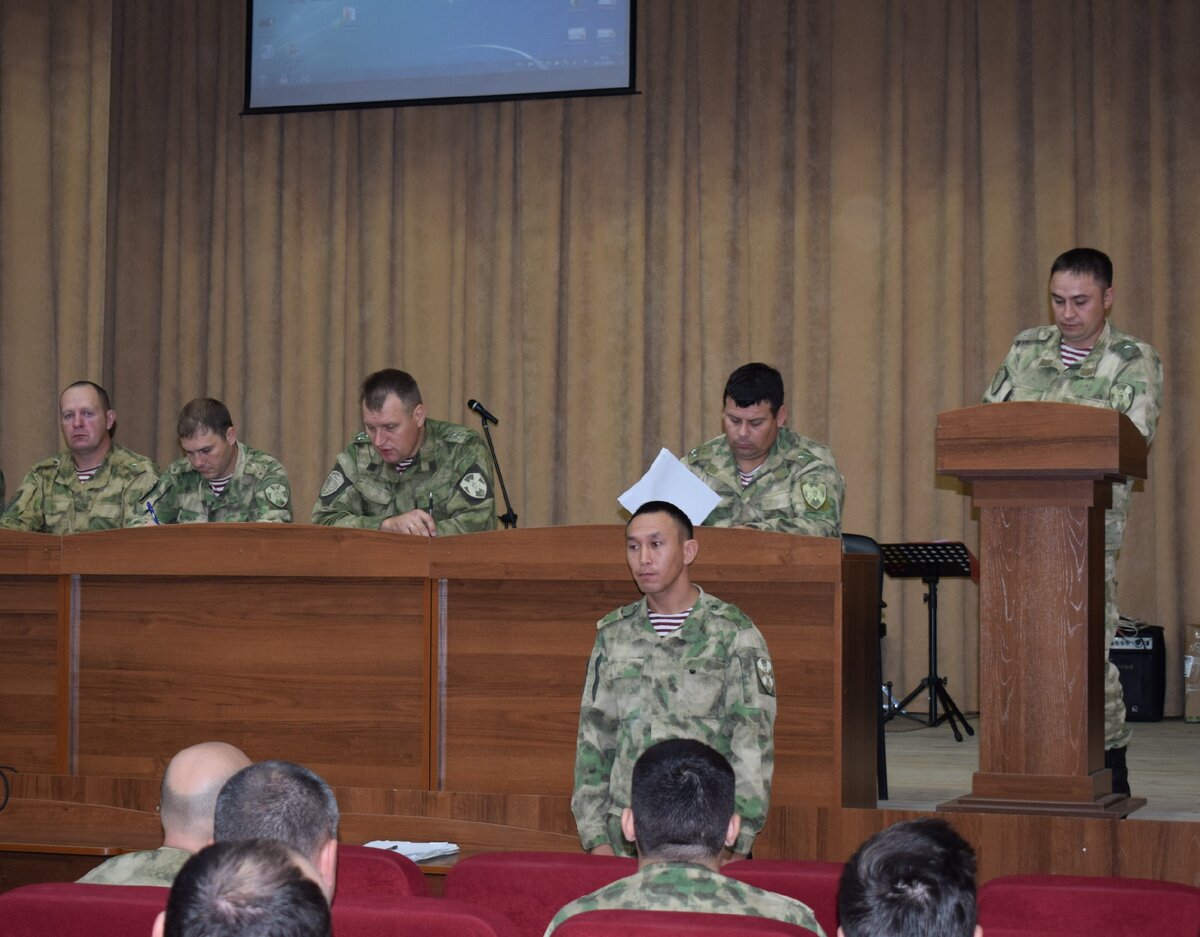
<point>1114,760</point>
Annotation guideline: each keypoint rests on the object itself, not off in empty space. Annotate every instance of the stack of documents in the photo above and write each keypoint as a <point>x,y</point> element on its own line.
<point>415,851</point>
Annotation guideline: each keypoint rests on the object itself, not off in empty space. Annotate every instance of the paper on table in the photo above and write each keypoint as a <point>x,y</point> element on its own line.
<point>415,851</point>
<point>668,479</point>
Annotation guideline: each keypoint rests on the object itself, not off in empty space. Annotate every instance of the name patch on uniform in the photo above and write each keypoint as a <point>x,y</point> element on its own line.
<point>474,484</point>
<point>1120,396</point>
<point>815,494</point>
<point>766,675</point>
<point>278,494</point>
<point>333,484</point>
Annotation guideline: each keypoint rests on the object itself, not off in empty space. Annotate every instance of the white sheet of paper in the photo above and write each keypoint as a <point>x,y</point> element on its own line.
<point>415,851</point>
<point>668,479</point>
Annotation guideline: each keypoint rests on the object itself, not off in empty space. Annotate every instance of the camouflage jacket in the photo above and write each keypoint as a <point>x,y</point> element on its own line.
<point>52,499</point>
<point>151,867</point>
<point>451,479</point>
<point>1121,373</point>
<point>797,490</point>
<point>682,886</point>
<point>711,680</point>
<point>258,491</point>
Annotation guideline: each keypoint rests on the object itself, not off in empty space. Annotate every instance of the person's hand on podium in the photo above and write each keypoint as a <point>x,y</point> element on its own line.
<point>417,522</point>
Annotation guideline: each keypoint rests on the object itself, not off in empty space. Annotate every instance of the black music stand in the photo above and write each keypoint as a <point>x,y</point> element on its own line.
<point>930,562</point>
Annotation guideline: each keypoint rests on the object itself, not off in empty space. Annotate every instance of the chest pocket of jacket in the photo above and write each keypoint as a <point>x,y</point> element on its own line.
<point>699,688</point>
<point>624,676</point>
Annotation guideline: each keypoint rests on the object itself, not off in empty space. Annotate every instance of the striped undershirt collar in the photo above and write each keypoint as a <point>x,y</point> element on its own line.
<point>1070,354</point>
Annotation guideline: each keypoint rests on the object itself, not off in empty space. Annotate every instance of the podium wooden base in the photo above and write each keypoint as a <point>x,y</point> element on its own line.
<point>1109,807</point>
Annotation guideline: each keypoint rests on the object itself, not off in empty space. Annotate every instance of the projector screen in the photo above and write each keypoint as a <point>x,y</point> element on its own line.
<point>319,53</point>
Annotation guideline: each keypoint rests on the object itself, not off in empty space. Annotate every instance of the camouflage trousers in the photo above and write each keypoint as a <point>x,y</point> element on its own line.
<point>1116,732</point>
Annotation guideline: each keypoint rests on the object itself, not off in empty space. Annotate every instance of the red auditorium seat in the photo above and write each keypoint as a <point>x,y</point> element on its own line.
<point>379,873</point>
<point>1074,906</point>
<point>671,923</point>
<point>427,917</point>
<point>528,888</point>
<point>68,909</point>
<point>811,881</point>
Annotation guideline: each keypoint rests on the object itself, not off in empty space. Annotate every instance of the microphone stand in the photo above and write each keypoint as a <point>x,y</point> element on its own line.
<point>508,518</point>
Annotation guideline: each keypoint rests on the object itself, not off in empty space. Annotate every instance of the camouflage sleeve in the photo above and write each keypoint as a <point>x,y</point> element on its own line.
<point>595,752</point>
<point>750,706</point>
<point>470,504</point>
<point>164,497</point>
<point>273,497</point>
<point>136,493</point>
<point>1145,374</point>
<point>340,504</point>
<point>1000,387</point>
<point>27,510</point>
<point>817,493</point>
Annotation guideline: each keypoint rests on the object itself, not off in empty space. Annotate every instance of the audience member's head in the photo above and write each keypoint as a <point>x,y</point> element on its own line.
<point>283,801</point>
<point>914,879</point>
<point>682,807</point>
<point>248,888</point>
<point>190,786</point>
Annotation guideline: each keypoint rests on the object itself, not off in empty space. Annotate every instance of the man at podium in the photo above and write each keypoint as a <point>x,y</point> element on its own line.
<point>1083,359</point>
<point>769,477</point>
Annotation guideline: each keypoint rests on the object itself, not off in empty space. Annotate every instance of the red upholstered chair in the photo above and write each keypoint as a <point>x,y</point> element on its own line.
<point>1070,905</point>
<point>426,917</point>
<point>671,923</point>
<point>364,871</point>
<point>811,881</point>
<point>529,887</point>
<point>68,909</point>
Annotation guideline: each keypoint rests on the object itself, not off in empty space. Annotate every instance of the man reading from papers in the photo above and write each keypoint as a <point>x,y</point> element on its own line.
<point>679,663</point>
<point>769,477</point>
<point>406,472</point>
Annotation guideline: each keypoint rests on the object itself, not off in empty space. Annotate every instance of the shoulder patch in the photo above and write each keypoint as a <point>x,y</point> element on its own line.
<point>766,675</point>
<point>333,484</point>
<point>816,494</point>
<point>1120,396</point>
<point>474,484</point>
<point>278,495</point>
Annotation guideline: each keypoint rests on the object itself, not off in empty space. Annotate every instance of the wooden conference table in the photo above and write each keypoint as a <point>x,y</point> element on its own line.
<point>393,662</point>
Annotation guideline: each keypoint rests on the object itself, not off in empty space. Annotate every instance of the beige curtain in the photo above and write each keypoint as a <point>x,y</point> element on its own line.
<point>867,194</point>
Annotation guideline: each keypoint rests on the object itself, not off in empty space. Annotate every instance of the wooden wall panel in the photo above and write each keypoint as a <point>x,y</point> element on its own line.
<point>328,672</point>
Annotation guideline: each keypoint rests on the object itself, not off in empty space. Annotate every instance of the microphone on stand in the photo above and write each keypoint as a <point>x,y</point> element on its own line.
<point>479,408</point>
<point>508,518</point>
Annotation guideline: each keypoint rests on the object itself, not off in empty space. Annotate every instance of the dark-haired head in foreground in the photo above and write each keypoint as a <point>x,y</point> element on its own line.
<point>914,879</point>
<point>286,802</point>
<point>248,888</point>
<point>682,807</point>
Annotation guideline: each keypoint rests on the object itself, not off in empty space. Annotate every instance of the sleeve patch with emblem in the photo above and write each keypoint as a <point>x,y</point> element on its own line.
<point>766,675</point>
<point>333,484</point>
<point>474,484</point>
<point>815,494</point>
<point>278,495</point>
<point>1120,396</point>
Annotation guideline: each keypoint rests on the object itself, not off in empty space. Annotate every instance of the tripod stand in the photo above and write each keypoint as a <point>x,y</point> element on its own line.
<point>930,562</point>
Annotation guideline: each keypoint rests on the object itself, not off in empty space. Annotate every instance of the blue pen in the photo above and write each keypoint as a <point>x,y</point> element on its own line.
<point>153,516</point>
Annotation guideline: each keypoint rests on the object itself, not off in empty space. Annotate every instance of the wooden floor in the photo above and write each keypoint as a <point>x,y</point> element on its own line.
<point>926,767</point>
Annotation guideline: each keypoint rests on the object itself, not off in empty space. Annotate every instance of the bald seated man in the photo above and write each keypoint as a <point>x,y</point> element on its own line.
<point>190,787</point>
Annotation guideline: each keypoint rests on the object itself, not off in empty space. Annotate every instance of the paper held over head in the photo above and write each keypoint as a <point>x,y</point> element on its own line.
<point>668,479</point>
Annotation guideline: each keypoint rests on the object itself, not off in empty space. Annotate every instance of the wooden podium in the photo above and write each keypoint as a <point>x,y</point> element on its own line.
<point>1041,475</point>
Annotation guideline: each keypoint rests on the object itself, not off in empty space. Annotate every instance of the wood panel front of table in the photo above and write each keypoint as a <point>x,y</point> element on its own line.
<point>518,611</point>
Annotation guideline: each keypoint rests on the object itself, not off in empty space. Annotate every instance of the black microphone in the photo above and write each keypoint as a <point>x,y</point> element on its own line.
<point>479,408</point>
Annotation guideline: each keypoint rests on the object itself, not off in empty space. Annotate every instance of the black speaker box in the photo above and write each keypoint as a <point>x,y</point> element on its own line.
<point>1141,659</point>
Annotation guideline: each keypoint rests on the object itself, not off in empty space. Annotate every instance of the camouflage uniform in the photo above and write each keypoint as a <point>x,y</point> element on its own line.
<point>52,499</point>
<point>151,867</point>
<point>797,490</point>
<point>711,681</point>
<point>683,886</point>
<point>451,479</point>
<point>1121,373</point>
<point>258,491</point>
